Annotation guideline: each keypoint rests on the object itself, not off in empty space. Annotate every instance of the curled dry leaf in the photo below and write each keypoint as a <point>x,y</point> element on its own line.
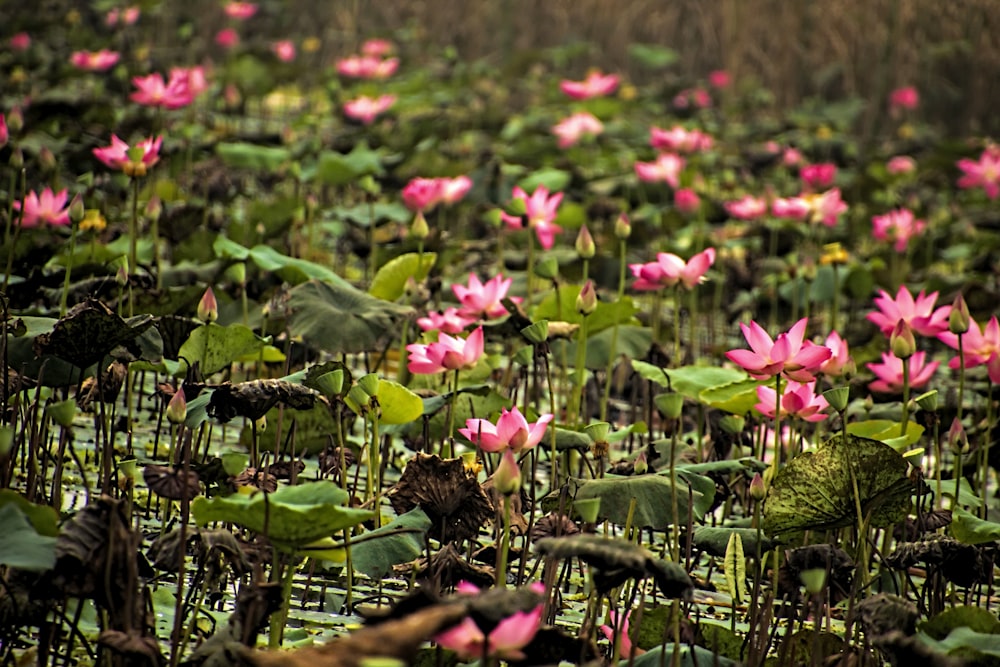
<point>107,390</point>
<point>136,647</point>
<point>884,613</point>
<point>817,557</point>
<point>253,399</point>
<point>172,483</point>
<point>260,479</point>
<point>88,332</point>
<point>961,564</point>
<point>553,525</point>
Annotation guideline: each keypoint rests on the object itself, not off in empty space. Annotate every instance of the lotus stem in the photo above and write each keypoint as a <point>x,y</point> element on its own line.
<point>446,446</point>
<point>133,242</point>
<point>579,370</point>
<point>961,374</point>
<point>278,618</point>
<point>64,299</point>
<point>501,573</point>
<point>906,398</point>
<point>609,370</point>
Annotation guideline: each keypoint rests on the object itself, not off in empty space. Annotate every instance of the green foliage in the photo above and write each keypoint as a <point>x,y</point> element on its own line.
<point>216,347</point>
<point>390,280</point>
<point>399,541</point>
<point>22,546</point>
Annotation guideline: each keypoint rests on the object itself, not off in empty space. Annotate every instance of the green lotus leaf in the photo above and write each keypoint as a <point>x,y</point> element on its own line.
<point>390,280</point>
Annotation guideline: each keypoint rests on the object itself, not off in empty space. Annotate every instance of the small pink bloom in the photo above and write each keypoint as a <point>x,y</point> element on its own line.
<point>919,314</point>
<point>827,207</point>
<point>130,15</point>
<point>367,67</point>
<point>595,85</point>
<point>897,226</point>
<point>667,169</point>
<point>679,140</point>
<point>980,346</point>
<point>366,109</point>
<point>982,173</point>
<point>890,372</point>
<point>720,79</point>
<point>4,132</point>
<point>94,61</point>
<point>227,38</point>
<point>576,127</point>
<point>512,431</point>
<point>20,42</point>
<point>152,91</point>
<point>240,11</point>
<point>540,211</point>
<point>669,270</point>
<point>49,207</point>
<point>747,208</point>
<point>505,641</point>
<point>840,357</point>
<point>818,176</point>
<point>789,353</point>
<point>697,97</point>
<point>453,190</point>
<point>793,208</point>
<point>116,155</point>
<point>451,321</point>
<point>901,164</point>
<point>686,201</point>
<point>447,354</point>
<point>791,157</point>
<point>284,50</point>
<point>797,400</point>
<point>422,194</point>
<point>904,98</point>
<point>378,48</point>
<point>483,300</point>
<point>619,630</point>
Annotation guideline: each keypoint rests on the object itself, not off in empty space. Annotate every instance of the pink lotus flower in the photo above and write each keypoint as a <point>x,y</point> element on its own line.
<point>697,97</point>
<point>453,190</point>
<point>366,109</point>
<point>451,321</point>
<point>20,42</point>
<point>512,431</point>
<point>619,630</point>
<point>174,94</point>
<point>890,372</point>
<point>791,157</point>
<point>898,226</point>
<point>540,211</point>
<point>904,98</point>
<point>818,176</point>
<point>980,346</point>
<point>827,207</point>
<point>367,67</point>
<point>677,139</point>
<point>422,194</point>
<point>240,11</point>
<point>747,208</point>
<point>227,38</point>
<point>792,208</point>
<point>983,173</point>
<point>579,126</point>
<point>505,641</point>
<point>4,132</point>
<point>482,300</point>
<point>669,270</point>
<point>378,48</point>
<point>919,314</point>
<point>789,353</point>
<point>840,357</point>
<point>797,400</point>
<point>447,354</point>
<point>686,201</point>
<point>902,164</point>
<point>117,156</point>
<point>595,85</point>
<point>667,168</point>
<point>49,207</point>
<point>126,16</point>
<point>720,79</point>
<point>94,61</point>
<point>284,50</point>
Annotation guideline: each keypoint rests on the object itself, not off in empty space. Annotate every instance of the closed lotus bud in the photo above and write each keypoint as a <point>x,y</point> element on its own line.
<point>176,411</point>
<point>958,319</point>
<point>17,158</point>
<point>47,159</point>
<point>121,275</point>
<point>958,440</point>
<point>757,490</point>
<point>154,207</point>
<point>208,307</point>
<point>586,301</point>
<point>585,246</point>
<point>77,209</point>
<point>15,120</point>
<point>640,466</point>
<point>419,229</point>
<point>901,341</point>
<point>623,228</point>
<point>507,478</point>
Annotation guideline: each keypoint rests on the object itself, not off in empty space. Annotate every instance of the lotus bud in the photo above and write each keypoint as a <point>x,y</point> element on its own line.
<point>548,268</point>
<point>757,489</point>
<point>47,159</point>
<point>507,478</point>
<point>208,307</point>
<point>154,207</point>
<point>15,120</point>
<point>77,209</point>
<point>901,341</point>
<point>585,246</point>
<point>623,228</point>
<point>537,333</point>
<point>419,229</point>
<point>17,158</point>
<point>958,440</point>
<point>640,465</point>
<point>4,132</point>
<point>838,397</point>
<point>670,404</point>
<point>176,411</point>
<point>958,319</point>
<point>369,384</point>
<point>586,301</point>
<point>121,274</point>
<point>928,401</point>
<point>869,403</point>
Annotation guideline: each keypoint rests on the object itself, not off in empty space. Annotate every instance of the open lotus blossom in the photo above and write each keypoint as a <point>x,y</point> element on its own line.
<point>94,61</point>
<point>453,190</point>
<point>791,208</point>
<point>595,85</point>
<point>377,47</point>
<point>747,208</point>
<point>126,16</point>
<point>512,431</point>
<point>898,227</point>
<point>48,207</point>
<point>982,173</point>
<point>979,346</point>
<point>579,126</point>
<point>890,372</point>
<point>540,212</point>
<point>450,321</point>
<point>367,109</point>
<point>482,300</point>
<point>117,155</point>
<point>818,176</point>
<point>284,50</point>
<point>679,140</point>
<point>904,98</point>
<point>904,164</point>
<point>367,67</point>
<point>919,314</point>
<point>504,641</point>
<point>240,11</point>
<point>619,629</point>
<point>447,354</point>
<point>686,201</point>
<point>180,90</point>
<point>826,207</point>
<point>789,353</point>
<point>666,169</point>
<point>669,270</point>
<point>423,194</point>
<point>840,357</point>
<point>797,400</point>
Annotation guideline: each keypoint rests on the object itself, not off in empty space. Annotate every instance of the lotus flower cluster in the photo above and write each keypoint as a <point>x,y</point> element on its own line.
<point>240,11</point>
<point>826,207</point>
<point>423,194</point>
<point>797,400</point>
<point>665,169</point>
<point>180,89</point>
<point>512,431</point>
<point>747,208</point>
<point>595,85</point>
<point>126,16</point>
<point>371,63</point>
<point>540,214</point>
<point>669,270</point>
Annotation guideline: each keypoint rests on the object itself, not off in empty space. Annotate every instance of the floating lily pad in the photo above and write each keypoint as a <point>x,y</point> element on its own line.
<point>216,347</point>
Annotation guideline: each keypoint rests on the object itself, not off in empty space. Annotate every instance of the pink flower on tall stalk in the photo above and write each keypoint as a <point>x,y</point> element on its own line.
<point>117,155</point>
<point>904,98</point>
<point>240,11</point>
<point>919,314</point>
<point>595,85</point>
<point>897,226</point>
<point>482,300</point>
<point>979,346</point>
<point>982,173</point>
<point>677,139</point>
<point>788,354</point>
<point>367,109</point>
<point>797,400</point>
<point>376,47</point>
<point>227,38</point>
<point>904,164</point>
<point>792,208</point>
<point>512,431</point>
<point>666,168</point>
<point>840,357</point>
<point>720,79</point>
<point>451,321</point>
<point>367,67</point>
<point>747,208</point>
<point>818,176</point>
<point>94,61</point>
<point>284,50</point>
<point>619,629</point>
<point>447,354</point>
<point>179,90</point>
<point>505,641</point>
<point>579,126</point>
<point>669,270</point>
<point>890,372</point>
<point>540,211</point>
<point>422,194</point>
<point>50,208</point>
<point>686,201</point>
